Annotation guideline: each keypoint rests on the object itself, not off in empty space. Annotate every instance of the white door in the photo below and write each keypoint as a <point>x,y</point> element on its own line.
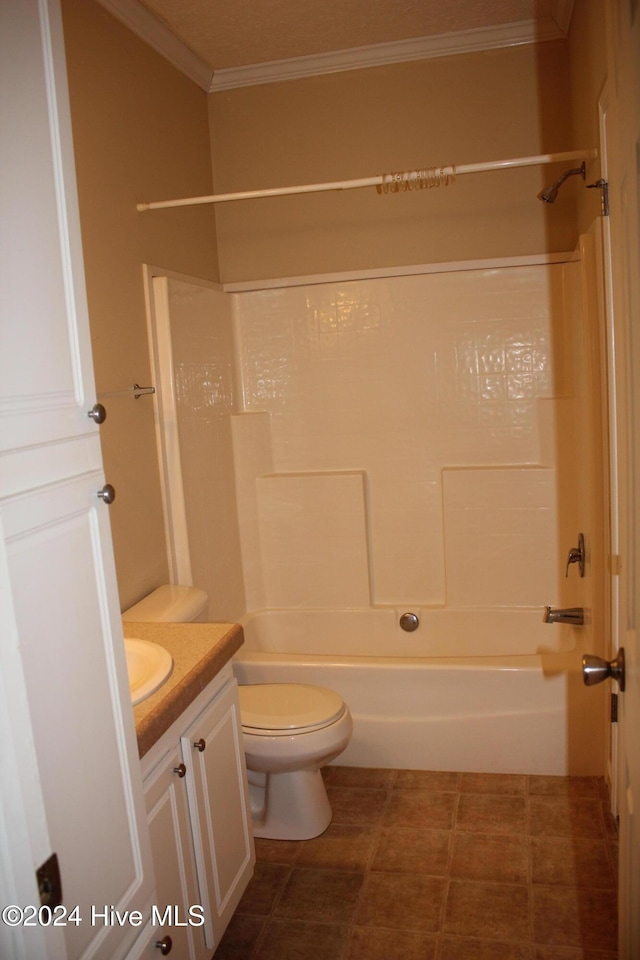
<point>623,140</point>
<point>70,783</point>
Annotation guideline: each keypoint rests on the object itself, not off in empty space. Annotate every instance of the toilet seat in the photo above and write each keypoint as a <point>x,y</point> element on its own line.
<point>284,709</point>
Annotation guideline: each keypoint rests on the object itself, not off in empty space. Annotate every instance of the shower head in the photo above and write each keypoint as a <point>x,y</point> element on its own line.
<point>549,194</point>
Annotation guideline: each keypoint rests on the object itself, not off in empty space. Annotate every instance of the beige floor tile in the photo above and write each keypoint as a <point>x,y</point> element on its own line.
<point>277,851</point>
<point>493,783</point>
<point>570,953</point>
<point>565,817</point>
<point>575,917</point>
<point>264,888</point>
<point>429,865</point>
<point>573,862</point>
<point>402,902</point>
<point>427,780</point>
<point>490,857</point>
<point>356,804</point>
<point>587,787</point>
<point>329,896</point>
<point>240,938</point>
<point>369,943</point>
<point>343,846</point>
<point>412,850</point>
<point>369,777</point>
<point>420,808</point>
<point>294,940</point>
<point>465,949</point>
<point>491,814</point>
<point>489,911</point>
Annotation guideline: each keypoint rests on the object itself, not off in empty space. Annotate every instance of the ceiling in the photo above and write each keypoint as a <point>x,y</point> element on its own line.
<point>231,40</point>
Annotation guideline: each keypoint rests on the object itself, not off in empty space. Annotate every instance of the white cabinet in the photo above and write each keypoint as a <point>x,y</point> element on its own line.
<point>70,780</point>
<point>199,817</point>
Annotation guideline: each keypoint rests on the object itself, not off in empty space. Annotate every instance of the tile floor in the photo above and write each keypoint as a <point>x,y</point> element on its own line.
<point>438,866</point>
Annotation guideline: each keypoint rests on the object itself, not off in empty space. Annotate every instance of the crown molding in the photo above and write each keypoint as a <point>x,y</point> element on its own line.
<point>148,28</point>
<point>380,54</point>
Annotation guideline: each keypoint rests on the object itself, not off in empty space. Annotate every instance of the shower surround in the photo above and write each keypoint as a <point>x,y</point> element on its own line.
<point>405,443</point>
<point>410,428</point>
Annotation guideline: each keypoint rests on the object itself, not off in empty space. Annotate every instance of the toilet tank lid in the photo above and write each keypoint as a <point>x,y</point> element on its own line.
<point>171,603</point>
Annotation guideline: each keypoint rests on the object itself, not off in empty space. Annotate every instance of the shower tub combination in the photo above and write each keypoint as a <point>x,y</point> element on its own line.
<point>498,701</point>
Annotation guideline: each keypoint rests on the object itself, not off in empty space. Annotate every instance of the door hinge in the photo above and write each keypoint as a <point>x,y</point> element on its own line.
<point>614,708</point>
<point>603,186</point>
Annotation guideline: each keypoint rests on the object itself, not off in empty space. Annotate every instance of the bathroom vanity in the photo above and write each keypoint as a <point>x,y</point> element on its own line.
<point>195,786</point>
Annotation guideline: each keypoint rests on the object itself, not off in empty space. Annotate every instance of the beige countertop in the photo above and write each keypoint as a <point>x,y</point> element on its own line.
<point>199,651</point>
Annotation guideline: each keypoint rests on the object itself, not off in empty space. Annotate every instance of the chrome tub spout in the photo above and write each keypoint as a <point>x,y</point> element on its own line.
<point>574,615</point>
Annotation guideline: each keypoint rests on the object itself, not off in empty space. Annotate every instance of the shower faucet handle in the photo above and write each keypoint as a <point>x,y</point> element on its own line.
<point>577,555</point>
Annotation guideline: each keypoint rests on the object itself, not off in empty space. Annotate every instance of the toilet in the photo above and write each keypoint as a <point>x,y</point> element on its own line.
<point>290,731</point>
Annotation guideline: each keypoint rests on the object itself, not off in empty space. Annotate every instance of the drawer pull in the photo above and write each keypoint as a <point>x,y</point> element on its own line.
<point>200,745</point>
<point>164,946</point>
<point>181,770</point>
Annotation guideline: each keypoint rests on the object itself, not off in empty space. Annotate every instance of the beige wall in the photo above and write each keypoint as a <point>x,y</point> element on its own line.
<point>140,132</point>
<point>475,107</point>
<point>587,54</point>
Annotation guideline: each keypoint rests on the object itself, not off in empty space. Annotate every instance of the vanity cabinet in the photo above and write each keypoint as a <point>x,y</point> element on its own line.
<point>200,820</point>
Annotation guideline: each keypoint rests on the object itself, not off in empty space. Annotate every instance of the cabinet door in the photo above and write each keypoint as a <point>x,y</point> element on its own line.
<point>213,753</point>
<point>70,781</point>
<point>173,861</point>
<point>59,582</point>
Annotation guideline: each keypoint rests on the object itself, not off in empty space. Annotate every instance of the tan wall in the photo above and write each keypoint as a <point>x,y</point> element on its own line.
<point>140,132</point>
<point>464,109</point>
<point>588,54</point>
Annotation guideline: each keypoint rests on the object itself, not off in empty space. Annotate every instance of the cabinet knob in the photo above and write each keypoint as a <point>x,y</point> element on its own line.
<point>97,413</point>
<point>108,493</point>
<point>164,945</point>
<point>200,745</point>
<point>181,770</point>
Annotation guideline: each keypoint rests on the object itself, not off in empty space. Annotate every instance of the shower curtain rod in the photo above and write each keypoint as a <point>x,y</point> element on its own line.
<point>382,180</point>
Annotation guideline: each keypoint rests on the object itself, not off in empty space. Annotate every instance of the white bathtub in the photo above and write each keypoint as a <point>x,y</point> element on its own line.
<point>480,708</point>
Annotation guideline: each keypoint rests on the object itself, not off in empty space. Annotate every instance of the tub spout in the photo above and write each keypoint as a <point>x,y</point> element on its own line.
<point>574,615</point>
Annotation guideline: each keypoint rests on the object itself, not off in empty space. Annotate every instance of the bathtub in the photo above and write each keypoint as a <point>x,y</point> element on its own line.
<point>501,700</point>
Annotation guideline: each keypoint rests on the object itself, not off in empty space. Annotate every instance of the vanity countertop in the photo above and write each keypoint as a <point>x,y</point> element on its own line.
<point>199,651</point>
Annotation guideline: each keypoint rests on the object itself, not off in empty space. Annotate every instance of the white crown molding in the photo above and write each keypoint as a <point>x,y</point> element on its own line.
<point>380,54</point>
<point>147,27</point>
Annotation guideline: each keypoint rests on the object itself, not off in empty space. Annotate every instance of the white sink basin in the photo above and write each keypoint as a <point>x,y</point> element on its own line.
<point>148,665</point>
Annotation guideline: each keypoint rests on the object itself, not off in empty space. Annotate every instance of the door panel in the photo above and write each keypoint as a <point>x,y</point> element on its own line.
<point>75,677</point>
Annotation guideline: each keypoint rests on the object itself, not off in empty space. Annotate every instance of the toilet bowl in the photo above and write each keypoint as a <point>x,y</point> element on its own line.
<point>290,731</point>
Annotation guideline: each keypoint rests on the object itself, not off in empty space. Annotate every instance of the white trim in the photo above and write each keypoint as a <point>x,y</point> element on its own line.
<point>167,439</point>
<point>380,54</point>
<point>152,31</point>
<point>145,25</point>
<point>378,273</point>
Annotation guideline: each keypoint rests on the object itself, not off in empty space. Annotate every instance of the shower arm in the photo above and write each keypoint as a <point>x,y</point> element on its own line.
<point>443,171</point>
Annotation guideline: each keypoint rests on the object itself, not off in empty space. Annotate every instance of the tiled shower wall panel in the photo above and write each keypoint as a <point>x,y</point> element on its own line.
<point>402,379</point>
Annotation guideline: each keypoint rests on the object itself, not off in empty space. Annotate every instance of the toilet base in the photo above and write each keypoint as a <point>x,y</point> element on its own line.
<point>294,805</point>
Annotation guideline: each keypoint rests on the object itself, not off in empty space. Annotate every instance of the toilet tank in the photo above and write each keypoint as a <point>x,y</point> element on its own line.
<point>170,603</point>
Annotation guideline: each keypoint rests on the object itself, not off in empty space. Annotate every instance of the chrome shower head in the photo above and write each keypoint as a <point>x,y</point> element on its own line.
<point>549,194</point>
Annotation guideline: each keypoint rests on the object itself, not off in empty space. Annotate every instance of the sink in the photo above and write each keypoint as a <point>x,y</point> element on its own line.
<point>148,666</point>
